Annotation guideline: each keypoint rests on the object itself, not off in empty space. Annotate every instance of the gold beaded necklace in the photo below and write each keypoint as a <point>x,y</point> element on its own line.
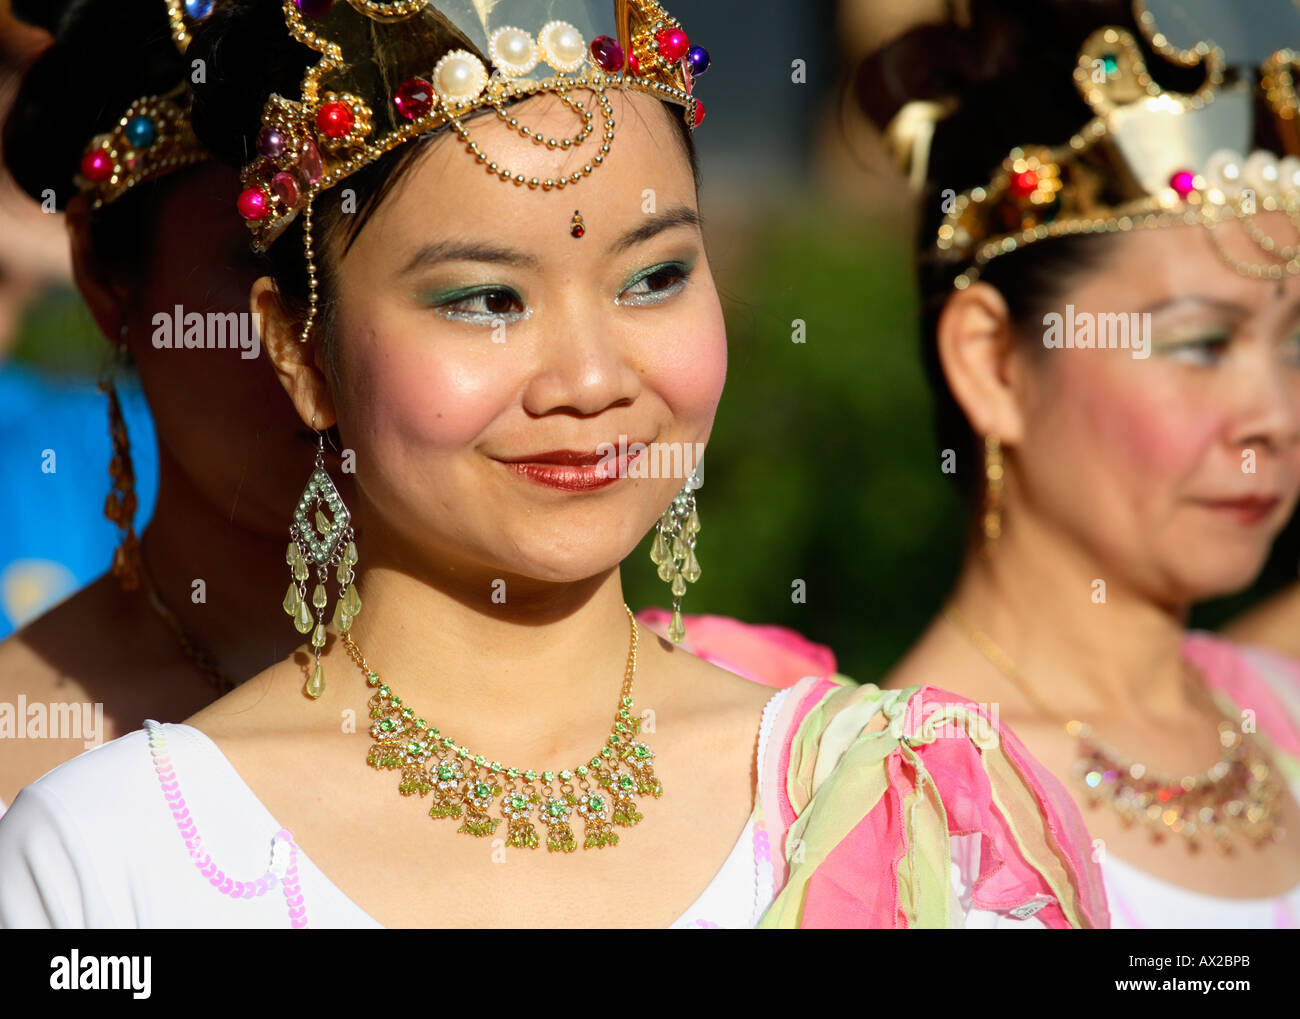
<point>1238,790</point>
<point>465,785</point>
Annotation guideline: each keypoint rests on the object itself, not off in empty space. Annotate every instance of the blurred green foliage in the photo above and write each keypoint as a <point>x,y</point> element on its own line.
<point>822,465</point>
<point>59,336</point>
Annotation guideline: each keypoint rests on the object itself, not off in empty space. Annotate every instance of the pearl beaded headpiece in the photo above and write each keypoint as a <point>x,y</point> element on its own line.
<point>1151,157</point>
<point>154,136</point>
<point>391,71</point>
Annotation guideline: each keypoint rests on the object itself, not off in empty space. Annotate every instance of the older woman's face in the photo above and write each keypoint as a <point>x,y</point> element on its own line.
<point>485,353</point>
<point>1175,470</point>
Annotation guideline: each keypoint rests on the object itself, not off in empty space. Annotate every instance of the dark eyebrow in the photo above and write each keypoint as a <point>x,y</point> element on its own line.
<point>470,251</point>
<point>467,251</point>
<point>674,216</point>
<point>1199,300</point>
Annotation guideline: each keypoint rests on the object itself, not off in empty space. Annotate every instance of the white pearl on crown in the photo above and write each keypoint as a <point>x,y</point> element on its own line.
<point>562,46</point>
<point>512,50</point>
<point>1223,171</point>
<point>459,76</point>
<point>1288,174</point>
<point>1260,173</point>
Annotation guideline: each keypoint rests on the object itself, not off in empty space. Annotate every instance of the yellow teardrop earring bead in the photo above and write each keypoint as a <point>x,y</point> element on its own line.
<point>673,548</point>
<point>321,534</point>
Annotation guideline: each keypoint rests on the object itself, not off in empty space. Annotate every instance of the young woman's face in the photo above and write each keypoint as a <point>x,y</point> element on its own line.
<point>476,336</point>
<point>1177,469</point>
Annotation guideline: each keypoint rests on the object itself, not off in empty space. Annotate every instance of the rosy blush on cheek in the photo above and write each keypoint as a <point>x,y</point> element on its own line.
<point>1137,416</point>
<point>689,376</point>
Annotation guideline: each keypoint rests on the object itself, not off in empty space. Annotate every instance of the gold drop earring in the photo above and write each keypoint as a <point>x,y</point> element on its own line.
<point>993,474</point>
<point>673,549</point>
<point>321,536</point>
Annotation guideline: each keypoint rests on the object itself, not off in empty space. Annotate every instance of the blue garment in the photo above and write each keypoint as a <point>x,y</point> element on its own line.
<point>54,537</point>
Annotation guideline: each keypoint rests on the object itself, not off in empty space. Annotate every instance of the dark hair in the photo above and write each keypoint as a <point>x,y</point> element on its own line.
<point>227,118</point>
<point>1009,72</point>
<point>66,98</point>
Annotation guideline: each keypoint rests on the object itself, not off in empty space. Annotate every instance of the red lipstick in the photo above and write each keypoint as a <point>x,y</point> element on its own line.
<point>1247,511</point>
<point>573,470</point>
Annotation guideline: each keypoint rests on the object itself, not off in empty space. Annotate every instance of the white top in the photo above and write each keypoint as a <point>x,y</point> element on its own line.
<point>1140,900</point>
<point>142,831</point>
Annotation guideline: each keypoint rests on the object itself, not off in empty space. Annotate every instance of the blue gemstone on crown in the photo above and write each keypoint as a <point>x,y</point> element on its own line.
<point>141,132</point>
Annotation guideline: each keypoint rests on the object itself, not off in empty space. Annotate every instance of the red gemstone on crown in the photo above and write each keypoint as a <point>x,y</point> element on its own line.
<point>672,43</point>
<point>253,203</point>
<point>699,113</point>
<point>97,166</point>
<point>335,120</point>
<point>607,53</point>
<point>633,64</point>
<point>1183,182</point>
<point>1024,184</point>
<point>414,99</point>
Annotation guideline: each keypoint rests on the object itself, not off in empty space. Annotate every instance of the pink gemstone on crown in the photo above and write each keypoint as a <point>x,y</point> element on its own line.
<point>253,204</point>
<point>633,64</point>
<point>1183,182</point>
<point>309,162</point>
<point>607,53</point>
<point>414,99</point>
<point>672,43</point>
<point>97,166</point>
<point>285,187</point>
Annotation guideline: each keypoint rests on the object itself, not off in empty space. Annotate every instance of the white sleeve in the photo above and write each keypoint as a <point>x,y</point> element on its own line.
<point>47,869</point>
<point>965,856</point>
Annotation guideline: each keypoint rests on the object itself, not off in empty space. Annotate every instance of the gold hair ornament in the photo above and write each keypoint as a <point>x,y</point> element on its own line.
<point>1149,158</point>
<point>390,72</point>
<point>153,137</point>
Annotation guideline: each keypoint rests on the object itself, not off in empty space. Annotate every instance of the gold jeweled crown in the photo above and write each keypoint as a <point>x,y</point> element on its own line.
<point>1151,157</point>
<point>391,71</point>
<point>153,136</point>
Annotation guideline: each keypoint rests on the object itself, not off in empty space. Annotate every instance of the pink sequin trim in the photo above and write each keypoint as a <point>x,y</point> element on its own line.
<point>215,876</point>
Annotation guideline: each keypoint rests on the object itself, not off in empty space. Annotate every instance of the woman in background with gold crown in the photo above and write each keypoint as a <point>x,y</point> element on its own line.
<point>1126,473</point>
<point>150,232</point>
<point>506,319</point>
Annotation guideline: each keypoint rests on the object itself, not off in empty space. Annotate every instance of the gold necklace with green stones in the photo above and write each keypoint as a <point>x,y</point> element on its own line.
<point>465,785</point>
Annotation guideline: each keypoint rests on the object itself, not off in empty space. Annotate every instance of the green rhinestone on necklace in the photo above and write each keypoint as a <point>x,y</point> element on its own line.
<point>602,792</point>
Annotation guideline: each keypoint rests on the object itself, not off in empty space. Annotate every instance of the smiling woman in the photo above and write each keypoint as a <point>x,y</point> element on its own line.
<point>479,357</point>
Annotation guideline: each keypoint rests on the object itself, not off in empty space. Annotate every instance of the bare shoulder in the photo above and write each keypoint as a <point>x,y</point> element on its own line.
<point>703,692</point>
<point>65,649</point>
<point>61,685</point>
<point>259,706</point>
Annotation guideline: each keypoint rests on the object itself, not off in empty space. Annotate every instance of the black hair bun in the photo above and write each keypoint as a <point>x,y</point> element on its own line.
<point>247,54</point>
<point>46,14</point>
<point>105,55</point>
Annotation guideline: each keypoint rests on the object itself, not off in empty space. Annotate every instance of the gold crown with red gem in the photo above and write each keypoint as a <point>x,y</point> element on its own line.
<point>1151,157</point>
<point>391,71</point>
<point>154,136</point>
